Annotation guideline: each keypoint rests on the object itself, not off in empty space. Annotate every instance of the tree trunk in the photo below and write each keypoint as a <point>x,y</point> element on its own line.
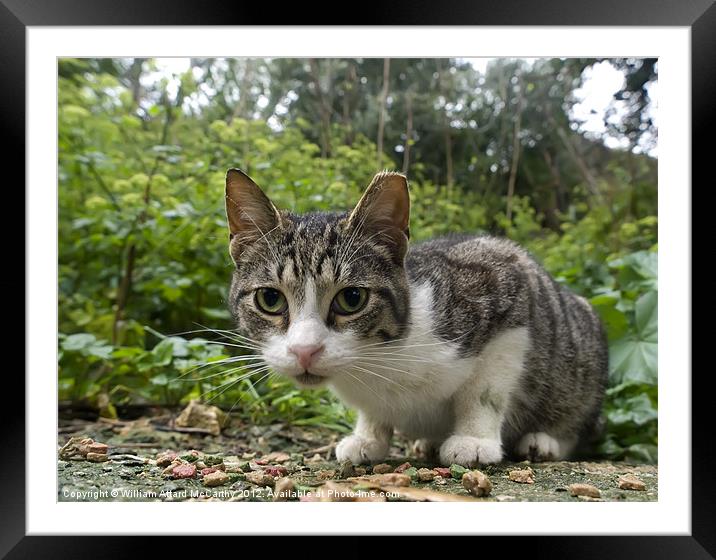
<point>381,115</point>
<point>348,97</point>
<point>324,109</point>
<point>448,155</point>
<point>515,157</point>
<point>408,133</point>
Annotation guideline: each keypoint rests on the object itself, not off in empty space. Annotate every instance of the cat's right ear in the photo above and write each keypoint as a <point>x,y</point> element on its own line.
<point>249,212</point>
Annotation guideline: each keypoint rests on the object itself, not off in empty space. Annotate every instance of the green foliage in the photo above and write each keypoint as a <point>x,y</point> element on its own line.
<point>142,229</point>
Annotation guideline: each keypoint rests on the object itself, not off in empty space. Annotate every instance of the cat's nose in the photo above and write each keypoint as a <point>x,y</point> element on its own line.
<point>306,354</point>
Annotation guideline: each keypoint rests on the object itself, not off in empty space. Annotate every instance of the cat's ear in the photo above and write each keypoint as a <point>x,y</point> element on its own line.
<point>384,211</point>
<point>250,213</point>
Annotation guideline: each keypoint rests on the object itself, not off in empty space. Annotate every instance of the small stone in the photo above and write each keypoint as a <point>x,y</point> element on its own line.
<point>346,470</point>
<point>382,468</point>
<point>388,479</point>
<point>97,457</point>
<point>325,475</point>
<point>277,457</point>
<point>213,460</point>
<point>631,482</point>
<point>426,475</point>
<point>190,456</point>
<point>457,471</point>
<point>360,471</point>
<point>589,499</point>
<point>284,490</point>
<point>443,472</point>
<point>207,470</point>
<point>584,490</point>
<point>412,472</point>
<point>440,481</point>
<point>276,471</point>
<point>184,470</point>
<point>315,459</point>
<point>206,417</point>
<point>402,468</point>
<point>523,476</point>
<point>165,458</point>
<point>97,447</point>
<point>477,483</point>
<point>216,478</point>
<point>260,478</point>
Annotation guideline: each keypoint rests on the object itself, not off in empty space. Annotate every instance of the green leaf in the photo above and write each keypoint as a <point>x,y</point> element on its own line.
<point>78,341</point>
<point>633,360</point>
<point>646,314</point>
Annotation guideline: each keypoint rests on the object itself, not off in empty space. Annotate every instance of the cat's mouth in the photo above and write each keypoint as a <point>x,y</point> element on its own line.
<point>308,378</point>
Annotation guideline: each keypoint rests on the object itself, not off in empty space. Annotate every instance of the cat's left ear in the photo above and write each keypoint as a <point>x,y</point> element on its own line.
<point>384,210</point>
<point>250,213</point>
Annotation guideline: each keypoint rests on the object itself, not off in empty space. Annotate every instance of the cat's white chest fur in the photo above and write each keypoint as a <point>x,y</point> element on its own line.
<point>409,383</point>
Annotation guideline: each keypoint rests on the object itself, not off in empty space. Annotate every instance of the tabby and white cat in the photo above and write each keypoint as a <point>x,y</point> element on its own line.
<point>463,343</point>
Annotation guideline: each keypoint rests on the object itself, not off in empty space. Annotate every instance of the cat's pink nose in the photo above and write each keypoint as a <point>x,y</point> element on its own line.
<point>306,354</point>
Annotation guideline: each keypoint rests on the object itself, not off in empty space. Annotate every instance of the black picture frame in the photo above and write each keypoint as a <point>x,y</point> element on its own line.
<point>17,15</point>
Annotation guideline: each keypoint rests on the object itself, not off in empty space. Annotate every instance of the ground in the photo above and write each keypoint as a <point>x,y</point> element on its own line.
<point>302,462</point>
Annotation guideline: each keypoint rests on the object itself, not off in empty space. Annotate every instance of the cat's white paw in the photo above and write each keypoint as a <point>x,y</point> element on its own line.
<point>359,450</point>
<point>470,451</point>
<point>424,449</point>
<point>539,446</point>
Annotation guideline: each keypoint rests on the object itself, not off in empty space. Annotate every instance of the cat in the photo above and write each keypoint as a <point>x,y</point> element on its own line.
<point>463,343</point>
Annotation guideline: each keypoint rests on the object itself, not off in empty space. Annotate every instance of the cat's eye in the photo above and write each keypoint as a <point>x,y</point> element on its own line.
<point>349,300</point>
<point>271,301</point>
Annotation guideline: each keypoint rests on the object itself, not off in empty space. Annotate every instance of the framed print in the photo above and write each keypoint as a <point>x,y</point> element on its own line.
<point>408,268</point>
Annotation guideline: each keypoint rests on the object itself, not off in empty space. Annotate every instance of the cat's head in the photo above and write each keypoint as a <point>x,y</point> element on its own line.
<point>313,291</point>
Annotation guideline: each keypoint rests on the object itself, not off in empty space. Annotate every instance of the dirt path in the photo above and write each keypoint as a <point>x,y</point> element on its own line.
<point>263,463</point>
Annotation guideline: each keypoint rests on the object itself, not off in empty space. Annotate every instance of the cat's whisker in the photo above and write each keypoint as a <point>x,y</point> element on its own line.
<point>246,367</point>
<point>227,385</point>
<point>376,393</point>
<point>379,375</point>
<point>253,344</point>
<point>376,364</point>
<point>225,361</point>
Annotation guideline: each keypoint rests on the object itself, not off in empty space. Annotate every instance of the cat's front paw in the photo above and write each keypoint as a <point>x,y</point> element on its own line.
<point>424,449</point>
<point>359,450</point>
<point>470,451</point>
<point>539,446</point>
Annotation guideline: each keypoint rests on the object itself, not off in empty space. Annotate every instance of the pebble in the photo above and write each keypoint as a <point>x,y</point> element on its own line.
<point>382,468</point>
<point>584,490</point>
<point>325,475</point>
<point>477,483</point>
<point>388,479</point>
<point>346,469</point>
<point>630,482</point>
<point>96,457</point>
<point>260,478</point>
<point>284,490</point>
<point>216,478</point>
<point>443,472</point>
<point>412,472</point>
<point>276,471</point>
<point>457,471</point>
<point>426,475</point>
<point>277,457</point>
<point>402,468</point>
<point>523,476</point>
<point>185,470</point>
<point>97,447</point>
<point>165,458</point>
